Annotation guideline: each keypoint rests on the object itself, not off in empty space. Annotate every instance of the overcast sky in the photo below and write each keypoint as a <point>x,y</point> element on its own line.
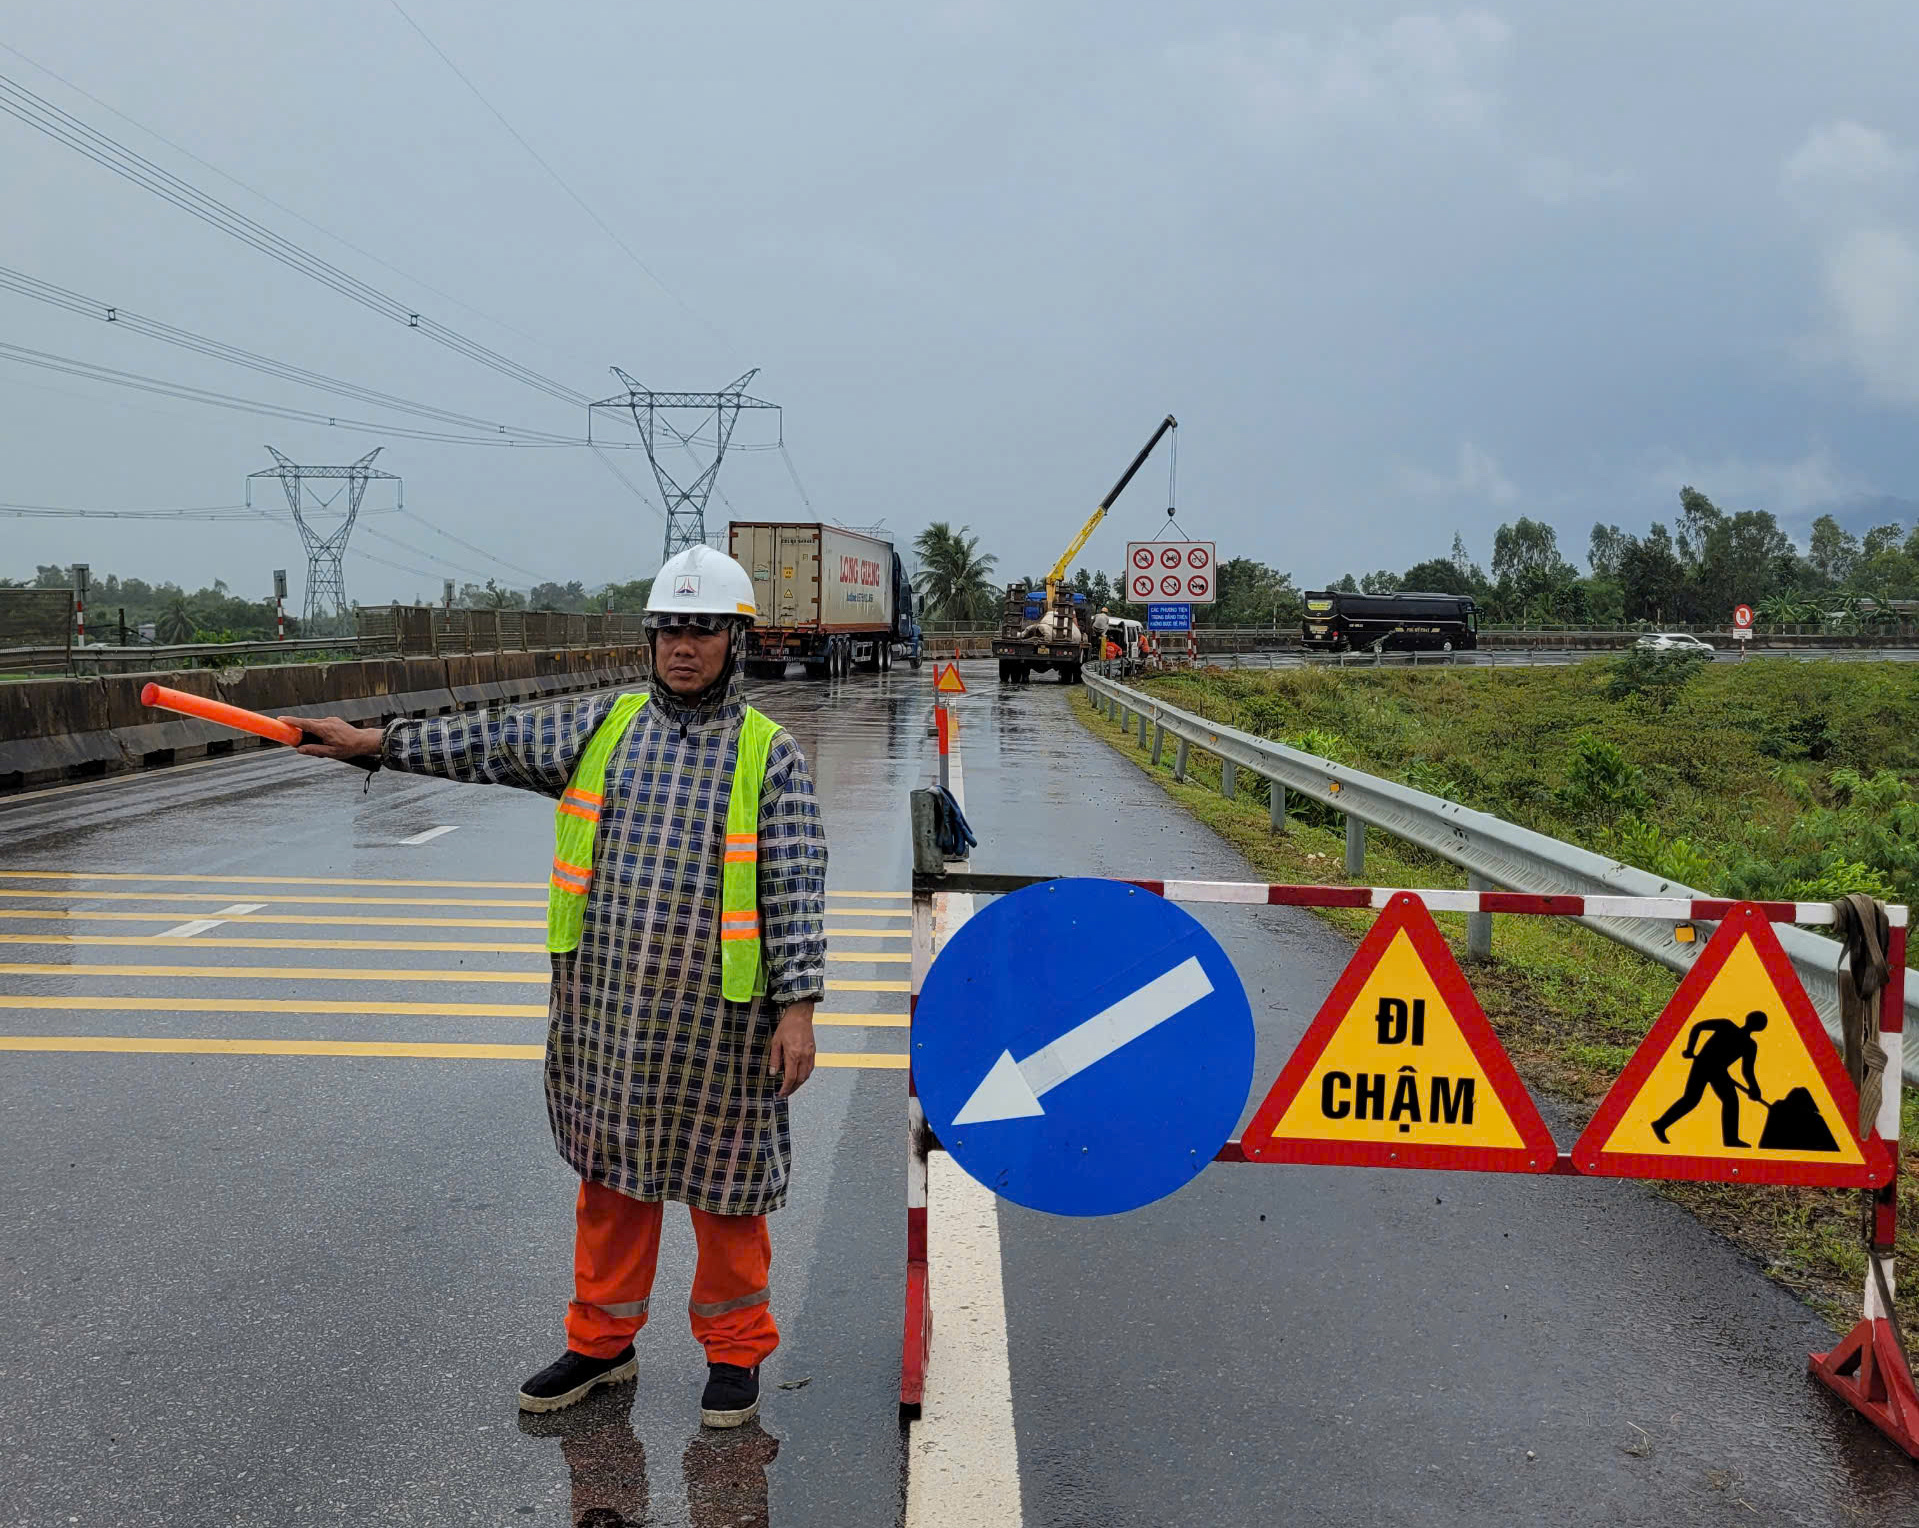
<point>1398,272</point>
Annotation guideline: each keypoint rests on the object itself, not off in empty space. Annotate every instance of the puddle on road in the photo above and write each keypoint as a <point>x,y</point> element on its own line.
<point>720,1481</point>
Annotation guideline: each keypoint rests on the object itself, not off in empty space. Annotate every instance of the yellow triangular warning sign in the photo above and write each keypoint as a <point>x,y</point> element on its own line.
<point>946,680</point>
<point>1401,1069</point>
<point>1736,1082</point>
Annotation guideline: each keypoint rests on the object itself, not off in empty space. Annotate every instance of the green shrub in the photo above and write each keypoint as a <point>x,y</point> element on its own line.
<point>1434,780</point>
<point>1601,782</point>
<point>1321,744</point>
<point>1799,737</point>
<point>1659,677</point>
<point>1635,841</point>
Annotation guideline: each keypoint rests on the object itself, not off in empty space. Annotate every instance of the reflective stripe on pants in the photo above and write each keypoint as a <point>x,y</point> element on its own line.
<point>615,1251</point>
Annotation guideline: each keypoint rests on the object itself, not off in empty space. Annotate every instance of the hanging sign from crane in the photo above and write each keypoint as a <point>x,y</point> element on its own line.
<point>1168,572</point>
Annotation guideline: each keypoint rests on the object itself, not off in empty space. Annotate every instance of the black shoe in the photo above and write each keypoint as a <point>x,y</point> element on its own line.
<point>732,1395</point>
<point>572,1377</point>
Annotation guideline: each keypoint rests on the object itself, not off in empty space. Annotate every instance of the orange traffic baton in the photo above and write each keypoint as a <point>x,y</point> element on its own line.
<point>159,696</point>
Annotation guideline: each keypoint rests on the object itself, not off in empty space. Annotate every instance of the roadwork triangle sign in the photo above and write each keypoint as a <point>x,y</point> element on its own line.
<point>1736,1082</point>
<point>1401,1069</point>
<point>946,679</point>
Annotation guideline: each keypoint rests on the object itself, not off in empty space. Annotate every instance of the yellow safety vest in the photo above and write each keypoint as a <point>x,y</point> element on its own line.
<point>742,971</point>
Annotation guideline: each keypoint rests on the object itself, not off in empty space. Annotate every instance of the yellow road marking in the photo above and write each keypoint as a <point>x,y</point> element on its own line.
<point>93,1004</point>
<point>451,946</point>
<point>261,896</point>
<point>378,1049</point>
<point>328,920</point>
<point>398,977</point>
<point>307,920</point>
<point>269,900</point>
<point>305,880</point>
<point>97,1004</point>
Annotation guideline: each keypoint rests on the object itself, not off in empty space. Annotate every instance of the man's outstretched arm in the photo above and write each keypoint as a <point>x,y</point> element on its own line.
<point>532,747</point>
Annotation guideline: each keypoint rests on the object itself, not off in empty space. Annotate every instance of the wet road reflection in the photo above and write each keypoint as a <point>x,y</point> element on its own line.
<point>724,1472</point>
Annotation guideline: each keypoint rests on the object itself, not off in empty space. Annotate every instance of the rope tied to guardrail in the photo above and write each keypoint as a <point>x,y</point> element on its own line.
<point>1863,974</point>
<point>1864,971</point>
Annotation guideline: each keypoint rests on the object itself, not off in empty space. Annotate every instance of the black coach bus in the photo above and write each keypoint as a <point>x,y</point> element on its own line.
<point>1337,623</point>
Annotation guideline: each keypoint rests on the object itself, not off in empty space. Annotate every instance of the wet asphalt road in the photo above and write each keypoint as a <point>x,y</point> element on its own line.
<point>1316,1345</point>
<point>281,1289</point>
<point>272,1289</point>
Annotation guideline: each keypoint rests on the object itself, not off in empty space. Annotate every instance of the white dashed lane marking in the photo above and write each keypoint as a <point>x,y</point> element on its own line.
<point>201,925</point>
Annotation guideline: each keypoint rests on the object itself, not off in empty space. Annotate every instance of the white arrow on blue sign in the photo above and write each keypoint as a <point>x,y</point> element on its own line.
<point>1083,1047</point>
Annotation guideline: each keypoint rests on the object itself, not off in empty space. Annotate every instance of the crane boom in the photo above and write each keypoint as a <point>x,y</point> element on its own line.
<point>1059,568</point>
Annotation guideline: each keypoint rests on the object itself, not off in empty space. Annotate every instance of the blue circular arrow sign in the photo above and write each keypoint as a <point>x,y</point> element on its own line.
<point>1082,1047</point>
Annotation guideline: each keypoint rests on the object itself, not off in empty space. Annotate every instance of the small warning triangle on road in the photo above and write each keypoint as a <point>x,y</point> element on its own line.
<point>1736,1082</point>
<point>1401,1068</point>
<point>947,681</point>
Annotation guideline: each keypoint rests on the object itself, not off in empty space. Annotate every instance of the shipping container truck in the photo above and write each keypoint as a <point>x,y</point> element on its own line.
<point>830,598</point>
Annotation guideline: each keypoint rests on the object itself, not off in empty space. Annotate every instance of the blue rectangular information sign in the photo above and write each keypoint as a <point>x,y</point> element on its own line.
<point>1169,617</point>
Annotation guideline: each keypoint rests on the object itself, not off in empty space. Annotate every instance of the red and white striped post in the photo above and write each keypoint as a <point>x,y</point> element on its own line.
<point>917,1340</point>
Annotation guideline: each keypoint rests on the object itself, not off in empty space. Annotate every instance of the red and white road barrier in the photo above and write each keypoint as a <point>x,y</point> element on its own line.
<point>1677,909</point>
<point>1867,1369</point>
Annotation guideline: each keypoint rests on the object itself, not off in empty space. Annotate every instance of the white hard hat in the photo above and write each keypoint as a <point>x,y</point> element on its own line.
<point>701,581</point>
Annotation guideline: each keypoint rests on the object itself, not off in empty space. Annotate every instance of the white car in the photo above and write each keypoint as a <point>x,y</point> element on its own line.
<point>1672,642</point>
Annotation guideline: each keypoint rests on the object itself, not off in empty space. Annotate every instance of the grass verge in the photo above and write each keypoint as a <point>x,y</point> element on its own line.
<point>1570,1007</point>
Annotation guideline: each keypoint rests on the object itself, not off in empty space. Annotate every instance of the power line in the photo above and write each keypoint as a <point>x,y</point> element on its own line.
<point>558,180</point>
<point>191,512</point>
<point>433,557</point>
<point>91,307</point>
<point>234,180</point>
<point>75,368</point>
<point>388,562</point>
<point>793,472</point>
<point>482,551</point>
<point>637,491</point>
<point>63,127</point>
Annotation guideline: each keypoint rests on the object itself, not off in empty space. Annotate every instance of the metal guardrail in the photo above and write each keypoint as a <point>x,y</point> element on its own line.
<point>1499,855</point>
<point>158,656</point>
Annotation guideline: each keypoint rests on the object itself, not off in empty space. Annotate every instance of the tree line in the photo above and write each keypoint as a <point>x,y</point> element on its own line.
<point>211,614</point>
<point>1692,572</point>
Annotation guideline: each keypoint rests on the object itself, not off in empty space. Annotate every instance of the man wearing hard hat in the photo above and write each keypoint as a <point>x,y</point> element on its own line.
<point>686,921</point>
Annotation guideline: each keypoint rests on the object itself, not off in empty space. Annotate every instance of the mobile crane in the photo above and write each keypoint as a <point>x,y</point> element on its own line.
<point>1058,636</point>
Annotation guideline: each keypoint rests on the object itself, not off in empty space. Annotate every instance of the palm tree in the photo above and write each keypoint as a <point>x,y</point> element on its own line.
<point>952,582</point>
<point>177,622</point>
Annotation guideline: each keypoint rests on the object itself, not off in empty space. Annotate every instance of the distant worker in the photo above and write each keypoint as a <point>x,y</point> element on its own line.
<point>686,921</point>
<point>1728,1046</point>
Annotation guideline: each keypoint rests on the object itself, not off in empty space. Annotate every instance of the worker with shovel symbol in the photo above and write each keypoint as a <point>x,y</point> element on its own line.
<point>1728,1045</point>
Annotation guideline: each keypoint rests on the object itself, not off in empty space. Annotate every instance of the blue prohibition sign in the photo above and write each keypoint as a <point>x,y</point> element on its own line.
<point>1082,1047</point>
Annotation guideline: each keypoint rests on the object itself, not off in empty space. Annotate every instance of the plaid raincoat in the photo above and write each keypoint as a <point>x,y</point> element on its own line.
<point>656,1086</point>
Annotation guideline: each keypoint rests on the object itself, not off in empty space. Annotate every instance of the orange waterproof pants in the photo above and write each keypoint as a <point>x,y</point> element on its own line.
<point>615,1250</point>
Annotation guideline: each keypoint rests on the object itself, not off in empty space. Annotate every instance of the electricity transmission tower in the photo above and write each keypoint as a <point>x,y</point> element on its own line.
<point>326,580</point>
<point>653,415</point>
